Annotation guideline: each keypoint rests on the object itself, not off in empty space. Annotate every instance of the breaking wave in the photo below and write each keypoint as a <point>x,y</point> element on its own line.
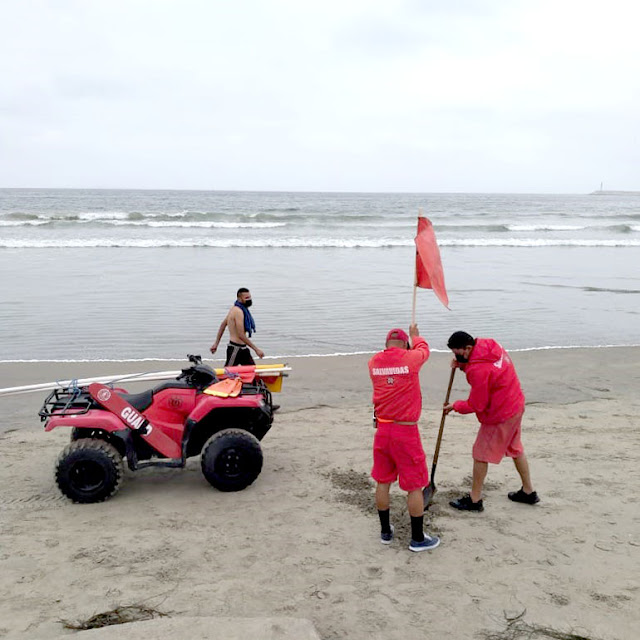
<point>299,242</point>
<point>544,227</point>
<point>292,217</point>
<point>205,224</point>
<point>23,223</point>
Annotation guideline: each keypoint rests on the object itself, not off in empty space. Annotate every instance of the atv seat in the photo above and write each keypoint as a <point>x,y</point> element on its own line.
<point>172,384</point>
<point>139,401</point>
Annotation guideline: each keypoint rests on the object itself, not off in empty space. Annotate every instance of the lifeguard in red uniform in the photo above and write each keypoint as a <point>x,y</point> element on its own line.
<point>397,448</point>
<point>498,402</point>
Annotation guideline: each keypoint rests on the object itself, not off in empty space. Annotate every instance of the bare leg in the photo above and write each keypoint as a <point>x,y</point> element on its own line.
<point>382,496</point>
<point>415,503</point>
<point>522,467</point>
<point>479,474</point>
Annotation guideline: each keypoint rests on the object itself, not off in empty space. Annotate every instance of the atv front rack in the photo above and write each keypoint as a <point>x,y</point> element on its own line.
<point>69,401</point>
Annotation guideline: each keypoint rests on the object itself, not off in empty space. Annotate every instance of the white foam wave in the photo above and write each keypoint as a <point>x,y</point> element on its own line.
<point>90,216</point>
<point>23,223</point>
<point>635,227</point>
<point>573,346</point>
<point>544,227</point>
<point>296,242</point>
<point>196,225</point>
<point>174,214</point>
<point>537,242</point>
<point>220,243</point>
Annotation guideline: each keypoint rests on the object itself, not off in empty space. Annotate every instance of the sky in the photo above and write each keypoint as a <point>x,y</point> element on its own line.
<point>351,95</point>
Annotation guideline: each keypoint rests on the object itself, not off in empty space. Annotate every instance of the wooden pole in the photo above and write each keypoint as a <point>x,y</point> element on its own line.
<point>415,276</point>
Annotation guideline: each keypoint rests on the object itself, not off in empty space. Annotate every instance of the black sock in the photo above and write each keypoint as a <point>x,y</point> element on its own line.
<point>385,527</point>
<point>417,531</point>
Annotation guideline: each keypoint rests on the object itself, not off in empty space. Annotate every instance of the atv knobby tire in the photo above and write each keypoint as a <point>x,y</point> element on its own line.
<point>78,433</point>
<point>231,459</point>
<point>89,470</point>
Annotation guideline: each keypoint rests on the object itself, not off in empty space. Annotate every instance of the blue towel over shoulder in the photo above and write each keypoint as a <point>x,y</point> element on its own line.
<point>249,322</point>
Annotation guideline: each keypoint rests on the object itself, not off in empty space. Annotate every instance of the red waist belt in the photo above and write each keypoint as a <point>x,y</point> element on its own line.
<point>385,421</point>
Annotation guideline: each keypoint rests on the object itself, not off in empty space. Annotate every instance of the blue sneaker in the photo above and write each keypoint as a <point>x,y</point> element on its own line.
<point>429,542</point>
<point>386,538</point>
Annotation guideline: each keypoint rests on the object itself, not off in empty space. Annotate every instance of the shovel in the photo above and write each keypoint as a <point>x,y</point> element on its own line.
<point>428,492</point>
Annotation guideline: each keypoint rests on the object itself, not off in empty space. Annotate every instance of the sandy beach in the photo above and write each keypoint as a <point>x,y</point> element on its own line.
<point>303,541</point>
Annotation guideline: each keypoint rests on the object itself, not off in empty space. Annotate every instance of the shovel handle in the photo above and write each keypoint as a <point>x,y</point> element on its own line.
<point>444,415</point>
<point>428,492</point>
<point>415,277</point>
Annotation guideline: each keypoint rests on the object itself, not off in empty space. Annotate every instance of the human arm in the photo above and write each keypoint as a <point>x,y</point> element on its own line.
<point>259,352</point>
<point>479,398</point>
<point>420,349</point>
<point>223,326</point>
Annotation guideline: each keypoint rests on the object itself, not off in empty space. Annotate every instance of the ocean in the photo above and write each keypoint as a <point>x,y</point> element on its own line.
<point>127,275</point>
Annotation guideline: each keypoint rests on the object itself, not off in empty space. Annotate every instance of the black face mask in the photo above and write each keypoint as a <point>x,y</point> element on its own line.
<point>461,358</point>
<point>247,303</point>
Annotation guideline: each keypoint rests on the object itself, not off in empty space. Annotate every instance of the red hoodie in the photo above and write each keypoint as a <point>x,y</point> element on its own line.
<point>496,394</point>
<point>396,382</point>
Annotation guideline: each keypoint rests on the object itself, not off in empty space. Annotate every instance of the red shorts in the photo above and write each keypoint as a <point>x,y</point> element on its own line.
<point>495,441</point>
<point>397,451</point>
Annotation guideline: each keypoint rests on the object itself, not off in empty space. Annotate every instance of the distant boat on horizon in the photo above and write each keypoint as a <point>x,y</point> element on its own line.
<point>602,192</point>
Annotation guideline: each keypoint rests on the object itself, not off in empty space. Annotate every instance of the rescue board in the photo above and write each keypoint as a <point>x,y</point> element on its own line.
<point>262,371</point>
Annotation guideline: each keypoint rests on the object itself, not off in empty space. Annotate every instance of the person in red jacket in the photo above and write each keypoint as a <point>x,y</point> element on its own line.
<point>397,448</point>
<point>498,402</point>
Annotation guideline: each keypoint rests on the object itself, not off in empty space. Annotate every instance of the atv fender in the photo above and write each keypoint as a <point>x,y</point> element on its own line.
<point>90,420</point>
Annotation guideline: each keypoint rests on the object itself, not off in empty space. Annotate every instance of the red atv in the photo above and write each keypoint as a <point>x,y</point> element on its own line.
<point>162,427</point>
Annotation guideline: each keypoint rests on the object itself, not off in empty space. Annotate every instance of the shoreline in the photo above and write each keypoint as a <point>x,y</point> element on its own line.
<point>277,358</point>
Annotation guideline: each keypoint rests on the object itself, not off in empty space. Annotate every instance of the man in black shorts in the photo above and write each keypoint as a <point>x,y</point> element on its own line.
<point>241,326</point>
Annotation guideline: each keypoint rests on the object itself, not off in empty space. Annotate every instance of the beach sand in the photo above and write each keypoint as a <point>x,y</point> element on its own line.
<point>303,541</point>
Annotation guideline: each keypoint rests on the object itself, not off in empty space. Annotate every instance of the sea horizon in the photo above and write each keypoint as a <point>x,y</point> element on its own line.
<point>328,192</point>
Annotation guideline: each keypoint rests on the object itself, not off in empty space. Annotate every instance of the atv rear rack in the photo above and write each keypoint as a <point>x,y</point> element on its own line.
<point>69,401</point>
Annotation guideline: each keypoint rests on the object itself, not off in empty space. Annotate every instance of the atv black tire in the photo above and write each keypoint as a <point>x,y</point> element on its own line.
<point>231,459</point>
<point>89,470</point>
<point>78,433</point>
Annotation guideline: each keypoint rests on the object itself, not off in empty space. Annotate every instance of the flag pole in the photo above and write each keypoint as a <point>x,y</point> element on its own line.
<point>415,277</point>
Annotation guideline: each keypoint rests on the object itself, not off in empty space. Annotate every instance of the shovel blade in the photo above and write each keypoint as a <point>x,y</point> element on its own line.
<point>428,493</point>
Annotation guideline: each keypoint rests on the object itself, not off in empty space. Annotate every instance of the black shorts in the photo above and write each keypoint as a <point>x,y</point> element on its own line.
<point>238,354</point>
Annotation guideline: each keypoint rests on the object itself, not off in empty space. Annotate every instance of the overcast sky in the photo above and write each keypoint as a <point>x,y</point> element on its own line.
<point>349,95</point>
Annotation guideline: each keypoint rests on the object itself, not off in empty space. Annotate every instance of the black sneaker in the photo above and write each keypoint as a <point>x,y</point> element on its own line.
<point>467,504</point>
<point>525,498</point>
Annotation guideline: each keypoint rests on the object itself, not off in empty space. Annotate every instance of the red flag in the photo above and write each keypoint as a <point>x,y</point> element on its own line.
<point>429,273</point>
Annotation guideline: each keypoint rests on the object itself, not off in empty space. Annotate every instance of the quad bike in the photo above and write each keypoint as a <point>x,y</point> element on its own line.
<point>163,426</point>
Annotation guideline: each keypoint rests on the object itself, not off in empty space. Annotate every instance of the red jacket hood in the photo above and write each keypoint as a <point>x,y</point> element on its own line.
<point>486,350</point>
